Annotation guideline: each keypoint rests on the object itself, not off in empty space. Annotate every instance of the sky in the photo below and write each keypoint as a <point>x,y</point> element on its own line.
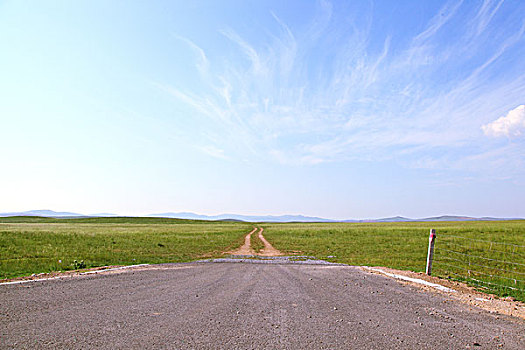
<point>338,109</point>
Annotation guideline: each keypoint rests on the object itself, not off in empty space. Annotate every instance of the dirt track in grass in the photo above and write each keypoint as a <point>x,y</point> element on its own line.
<point>246,248</point>
<point>268,249</point>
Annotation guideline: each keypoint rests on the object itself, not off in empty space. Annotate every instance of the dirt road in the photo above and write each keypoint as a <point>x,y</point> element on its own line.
<point>243,306</point>
<point>268,249</point>
<point>246,248</point>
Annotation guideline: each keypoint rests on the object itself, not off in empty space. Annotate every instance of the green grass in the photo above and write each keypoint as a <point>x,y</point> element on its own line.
<point>492,258</point>
<point>394,245</point>
<point>256,243</point>
<point>404,246</point>
<point>34,245</point>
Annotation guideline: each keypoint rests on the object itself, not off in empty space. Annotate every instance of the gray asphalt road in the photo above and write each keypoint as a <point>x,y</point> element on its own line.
<point>244,306</point>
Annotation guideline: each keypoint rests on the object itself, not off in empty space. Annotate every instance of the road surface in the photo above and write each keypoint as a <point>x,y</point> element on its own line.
<point>243,306</point>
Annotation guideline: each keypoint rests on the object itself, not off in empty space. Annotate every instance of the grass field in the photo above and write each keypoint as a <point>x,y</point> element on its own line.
<point>34,245</point>
<point>404,246</point>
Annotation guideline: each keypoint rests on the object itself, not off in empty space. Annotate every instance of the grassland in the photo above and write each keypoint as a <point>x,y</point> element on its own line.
<point>404,246</point>
<point>34,245</point>
<point>487,254</point>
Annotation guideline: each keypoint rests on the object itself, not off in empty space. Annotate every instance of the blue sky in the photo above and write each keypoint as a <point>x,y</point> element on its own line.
<point>356,109</point>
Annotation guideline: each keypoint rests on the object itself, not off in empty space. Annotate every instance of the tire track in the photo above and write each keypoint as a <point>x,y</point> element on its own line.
<point>268,249</point>
<point>246,248</point>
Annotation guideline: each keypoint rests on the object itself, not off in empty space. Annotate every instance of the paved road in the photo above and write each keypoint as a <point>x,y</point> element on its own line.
<point>244,306</point>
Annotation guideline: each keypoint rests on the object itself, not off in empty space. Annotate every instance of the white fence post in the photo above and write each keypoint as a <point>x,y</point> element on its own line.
<point>430,255</point>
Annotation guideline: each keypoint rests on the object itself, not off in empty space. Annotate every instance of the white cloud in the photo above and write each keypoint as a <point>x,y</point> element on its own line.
<point>511,125</point>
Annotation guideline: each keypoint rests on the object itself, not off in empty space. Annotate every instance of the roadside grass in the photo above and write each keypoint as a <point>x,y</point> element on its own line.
<point>34,245</point>
<point>404,246</point>
<point>256,243</point>
<point>491,258</point>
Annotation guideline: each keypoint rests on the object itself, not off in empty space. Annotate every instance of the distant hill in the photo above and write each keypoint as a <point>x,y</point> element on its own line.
<point>450,218</point>
<point>464,218</point>
<point>103,215</point>
<point>43,212</point>
<point>393,219</point>
<point>250,218</point>
<point>302,218</point>
<point>439,218</point>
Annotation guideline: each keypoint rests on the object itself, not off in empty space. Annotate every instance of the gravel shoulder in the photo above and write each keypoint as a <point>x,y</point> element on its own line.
<point>463,293</point>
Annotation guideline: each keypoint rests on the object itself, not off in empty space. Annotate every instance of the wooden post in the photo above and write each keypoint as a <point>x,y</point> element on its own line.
<point>430,255</point>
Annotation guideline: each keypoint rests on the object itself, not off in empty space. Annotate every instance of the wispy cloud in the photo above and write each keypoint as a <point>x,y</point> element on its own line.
<point>485,14</point>
<point>202,64</point>
<point>248,50</point>
<point>439,20</point>
<point>214,152</point>
<point>334,94</point>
